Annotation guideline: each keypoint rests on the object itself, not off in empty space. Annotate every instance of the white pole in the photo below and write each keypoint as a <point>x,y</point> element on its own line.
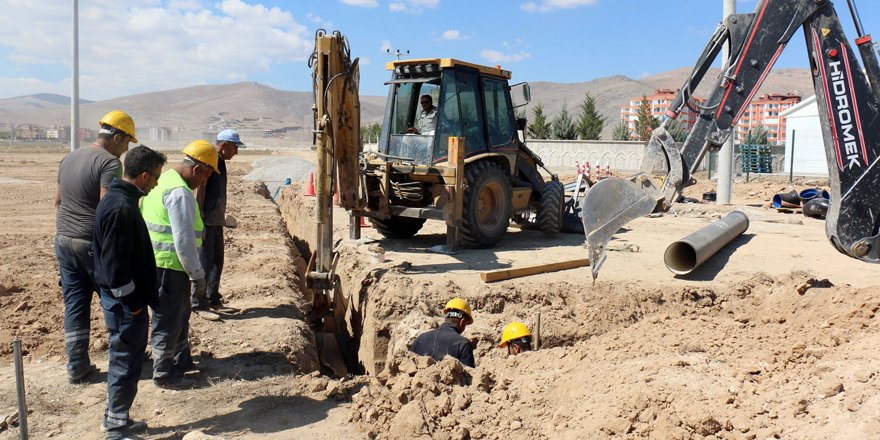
<point>74,82</point>
<point>724,190</point>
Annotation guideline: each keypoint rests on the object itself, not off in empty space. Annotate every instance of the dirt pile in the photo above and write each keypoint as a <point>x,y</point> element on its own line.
<point>785,357</point>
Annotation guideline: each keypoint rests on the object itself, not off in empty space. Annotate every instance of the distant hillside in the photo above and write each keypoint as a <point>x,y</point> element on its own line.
<point>253,107</point>
<point>614,91</point>
<point>241,105</point>
<point>40,101</point>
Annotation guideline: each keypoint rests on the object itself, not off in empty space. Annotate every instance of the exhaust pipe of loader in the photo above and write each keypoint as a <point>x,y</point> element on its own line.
<point>687,254</point>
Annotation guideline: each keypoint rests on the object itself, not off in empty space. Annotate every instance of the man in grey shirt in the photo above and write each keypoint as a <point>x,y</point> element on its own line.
<point>83,178</point>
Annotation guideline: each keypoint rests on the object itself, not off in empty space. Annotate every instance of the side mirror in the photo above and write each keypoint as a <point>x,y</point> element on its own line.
<point>520,97</point>
<point>521,124</point>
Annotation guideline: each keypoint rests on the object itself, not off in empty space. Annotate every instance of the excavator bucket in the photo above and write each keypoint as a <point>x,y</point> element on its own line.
<point>613,202</point>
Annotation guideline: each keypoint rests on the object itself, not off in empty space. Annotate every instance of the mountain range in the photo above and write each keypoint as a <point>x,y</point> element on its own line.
<point>253,107</point>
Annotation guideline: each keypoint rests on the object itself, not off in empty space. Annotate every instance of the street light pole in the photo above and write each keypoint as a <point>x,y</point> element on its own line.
<point>74,82</point>
<point>724,191</point>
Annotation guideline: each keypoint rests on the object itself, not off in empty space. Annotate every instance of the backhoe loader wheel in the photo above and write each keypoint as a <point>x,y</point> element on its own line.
<point>398,227</point>
<point>552,205</point>
<point>487,205</point>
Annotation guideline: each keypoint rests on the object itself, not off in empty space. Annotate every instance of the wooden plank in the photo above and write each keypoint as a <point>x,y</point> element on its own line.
<point>506,274</point>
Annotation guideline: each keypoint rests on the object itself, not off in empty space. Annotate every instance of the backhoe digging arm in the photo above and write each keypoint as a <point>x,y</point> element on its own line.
<point>848,110</point>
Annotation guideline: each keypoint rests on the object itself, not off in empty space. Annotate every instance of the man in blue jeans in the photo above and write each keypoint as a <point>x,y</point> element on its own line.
<point>212,199</point>
<point>83,179</point>
<point>125,271</point>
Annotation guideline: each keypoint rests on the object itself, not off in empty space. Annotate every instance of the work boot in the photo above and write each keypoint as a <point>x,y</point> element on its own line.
<point>175,383</point>
<point>82,376</point>
<point>219,307</point>
<point>126,432</point>
<point>206,314</point>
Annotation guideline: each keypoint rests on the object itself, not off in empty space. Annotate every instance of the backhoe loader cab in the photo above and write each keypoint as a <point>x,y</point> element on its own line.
<point>500,179</point>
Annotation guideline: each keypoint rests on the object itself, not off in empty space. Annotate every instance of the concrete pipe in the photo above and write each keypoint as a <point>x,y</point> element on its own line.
<point>685,255</point>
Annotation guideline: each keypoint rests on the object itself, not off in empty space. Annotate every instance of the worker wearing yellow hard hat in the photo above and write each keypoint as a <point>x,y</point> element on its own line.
<point>171,213</point>
<point>446,340</point>
<point>517,338</point>
<point>117,127</point>
<point>84,177</point>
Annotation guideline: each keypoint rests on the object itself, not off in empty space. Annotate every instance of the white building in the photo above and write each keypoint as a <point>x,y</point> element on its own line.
<point>804,129</point>
<point>159,134</point>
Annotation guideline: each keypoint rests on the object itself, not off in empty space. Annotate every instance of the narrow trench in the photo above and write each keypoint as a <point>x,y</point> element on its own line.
<point>337,349</point>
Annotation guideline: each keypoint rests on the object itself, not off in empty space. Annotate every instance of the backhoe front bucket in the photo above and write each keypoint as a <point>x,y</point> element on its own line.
<point>608,205</point>
<point>614,202</point>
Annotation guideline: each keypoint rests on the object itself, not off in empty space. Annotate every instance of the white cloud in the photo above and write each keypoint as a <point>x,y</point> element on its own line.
<point>362,3</point>
<point>494,56</point>
<point>551,5</point>
<point>413,6</point>
<point>386,46</point>
<point>319,21</point>
<point>151,47</point>
<point>364,61</point>
<point>191,5</point>
<point>451,35</point>
<point>516,42</point>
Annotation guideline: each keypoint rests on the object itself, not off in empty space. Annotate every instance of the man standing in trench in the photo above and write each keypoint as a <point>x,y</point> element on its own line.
<point>212,199</point>
<point>447,339</point>
<point>517,338</point>
<point>125,271</point>
<point>83,179</point>
<point>172,217</point>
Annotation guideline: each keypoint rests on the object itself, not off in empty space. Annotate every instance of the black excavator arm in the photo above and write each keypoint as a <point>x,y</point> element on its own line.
<point>848,104</point>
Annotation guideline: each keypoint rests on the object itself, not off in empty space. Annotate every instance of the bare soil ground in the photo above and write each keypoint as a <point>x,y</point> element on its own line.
<point>259,363</point>
<point>754,344</point>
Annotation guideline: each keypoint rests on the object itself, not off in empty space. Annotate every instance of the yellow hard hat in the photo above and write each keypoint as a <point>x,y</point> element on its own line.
<point>513,331</point>
<point>121,121</point>
<point>462,306</point>
<point>204,152</point>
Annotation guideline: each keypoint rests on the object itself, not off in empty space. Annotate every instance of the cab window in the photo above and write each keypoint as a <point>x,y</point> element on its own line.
<point>499,118</point>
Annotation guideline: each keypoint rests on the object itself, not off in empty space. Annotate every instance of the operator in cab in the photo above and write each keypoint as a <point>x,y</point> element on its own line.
<point>426,119</point>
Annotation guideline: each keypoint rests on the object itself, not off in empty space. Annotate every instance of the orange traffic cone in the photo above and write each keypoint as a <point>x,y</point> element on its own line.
<point>607,170</point>
<point>310,190</point>
<point>587,169</point>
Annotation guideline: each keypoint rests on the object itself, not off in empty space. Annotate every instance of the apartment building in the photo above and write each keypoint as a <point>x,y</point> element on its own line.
<point>659,103</point>
<point>155,134</point>
<point>58,133</point>
<point>765,110</point>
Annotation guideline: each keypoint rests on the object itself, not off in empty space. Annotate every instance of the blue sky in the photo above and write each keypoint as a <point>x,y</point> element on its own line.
<point>139,46</point>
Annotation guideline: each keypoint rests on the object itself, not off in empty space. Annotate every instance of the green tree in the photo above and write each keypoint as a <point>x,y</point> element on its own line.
<point>621,131</point>
<point>646,123</point>
<point>540,127</point>
<point>563,125</point>
<point>591,122</point>
<point>758,136</point>
<point>370,133</point>
<point>677,131</point>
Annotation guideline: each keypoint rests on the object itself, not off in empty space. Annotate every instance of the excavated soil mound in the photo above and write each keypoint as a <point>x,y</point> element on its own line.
<point>784,357</point>
<point>755,356</point>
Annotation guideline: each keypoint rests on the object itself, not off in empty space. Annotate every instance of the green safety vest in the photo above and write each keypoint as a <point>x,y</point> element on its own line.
<point>156,217</point>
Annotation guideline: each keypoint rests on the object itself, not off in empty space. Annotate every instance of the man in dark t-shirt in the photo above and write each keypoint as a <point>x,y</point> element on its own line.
<point>83,178</point>
<point>447,340</point>
<point>212,199</point>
